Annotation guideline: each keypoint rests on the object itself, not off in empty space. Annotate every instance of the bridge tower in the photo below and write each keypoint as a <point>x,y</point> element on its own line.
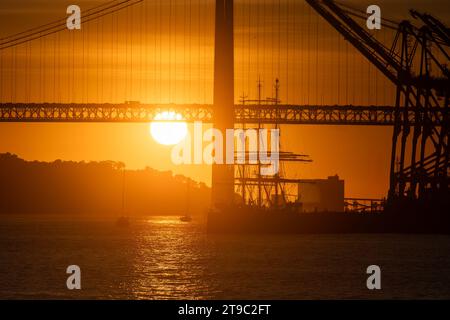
<point>223,105</point>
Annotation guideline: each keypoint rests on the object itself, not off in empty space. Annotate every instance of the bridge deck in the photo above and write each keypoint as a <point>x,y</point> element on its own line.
<point>282,114</point>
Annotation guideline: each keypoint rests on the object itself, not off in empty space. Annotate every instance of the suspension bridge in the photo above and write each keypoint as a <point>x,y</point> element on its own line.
<point>133,59</point>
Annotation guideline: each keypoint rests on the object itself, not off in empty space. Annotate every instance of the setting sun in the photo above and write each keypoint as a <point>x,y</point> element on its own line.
<point>168,132</point>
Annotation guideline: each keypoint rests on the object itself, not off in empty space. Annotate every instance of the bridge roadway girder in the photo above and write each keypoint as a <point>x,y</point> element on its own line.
<point>267,114</point>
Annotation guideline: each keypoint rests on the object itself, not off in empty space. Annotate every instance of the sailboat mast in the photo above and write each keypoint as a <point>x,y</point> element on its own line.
<point>123,191</point>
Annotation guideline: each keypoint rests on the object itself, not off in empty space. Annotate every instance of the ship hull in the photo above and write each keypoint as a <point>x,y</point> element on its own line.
<point>245,220</point>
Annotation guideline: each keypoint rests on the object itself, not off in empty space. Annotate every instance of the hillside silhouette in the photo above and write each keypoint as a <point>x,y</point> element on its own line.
<point>67,187</point>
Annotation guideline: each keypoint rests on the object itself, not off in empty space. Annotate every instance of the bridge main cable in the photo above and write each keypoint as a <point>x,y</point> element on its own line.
<point>251,114</point>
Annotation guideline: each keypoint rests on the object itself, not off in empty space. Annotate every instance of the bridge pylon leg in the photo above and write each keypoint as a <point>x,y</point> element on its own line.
<point>223,108</point>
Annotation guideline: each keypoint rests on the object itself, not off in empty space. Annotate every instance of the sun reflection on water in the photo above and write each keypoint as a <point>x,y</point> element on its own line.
<point>169,261</point>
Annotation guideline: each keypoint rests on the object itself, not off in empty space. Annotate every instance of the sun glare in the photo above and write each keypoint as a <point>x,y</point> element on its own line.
<point>169,132</point>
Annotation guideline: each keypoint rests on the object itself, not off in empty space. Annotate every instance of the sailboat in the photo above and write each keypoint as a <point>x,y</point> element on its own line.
<point>123,221</point>
<point>187,217</point>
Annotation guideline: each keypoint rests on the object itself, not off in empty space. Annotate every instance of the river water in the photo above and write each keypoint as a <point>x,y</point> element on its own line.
<point>163,258</point>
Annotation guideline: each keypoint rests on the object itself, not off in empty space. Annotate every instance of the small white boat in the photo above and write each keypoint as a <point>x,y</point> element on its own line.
<point>186,218</point>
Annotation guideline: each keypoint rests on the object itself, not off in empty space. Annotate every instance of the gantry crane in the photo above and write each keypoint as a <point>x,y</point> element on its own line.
<point>423,86</point>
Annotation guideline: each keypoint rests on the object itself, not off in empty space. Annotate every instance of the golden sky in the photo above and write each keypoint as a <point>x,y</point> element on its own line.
<point>156,53</point>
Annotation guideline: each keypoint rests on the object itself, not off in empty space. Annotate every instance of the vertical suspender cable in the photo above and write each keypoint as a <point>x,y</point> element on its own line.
<point>89,64</point>
<point>249,63</point>
<point>199,93</point>
<point>111,51</point>
<point>24,78</point>
<point>114,56</point>
<point>318,96</point>
<point>190,51</point>
<point>13,75</point>
<point>338,68</point>
<point>149,88</point>
<point>258,74</point>
<point>170,51</point>
<point>83,68</point>
<point>29,73</point>
<point>102,64</point>
<point>150,82</point>
<point>73,68</point>
<point>279,39</point>
<point>369,84</point>
<point>160,51</point>
<point>242,28</point>
<point>264,37</point>
<point>184,50</point>
<point>117,97</point>
<point>376,85</point>
<point>97,62</point>
<point>59,68</point>
<point>140,54</point>
<point>40,69</point>
<point>131,53</point>
<point>185,11</point>
<point>308,84</point>
<point>54,68</point>
<point>346,73</point>
<point>175,51</point>
<point>1,76</point>
<point>383,80</point>
<point>272,49</point>
<point>205,24</point>
<point>125,75</point>
<point>288,24</point>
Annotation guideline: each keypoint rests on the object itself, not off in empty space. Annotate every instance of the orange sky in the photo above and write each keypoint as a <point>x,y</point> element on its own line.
<point>170,60</point>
